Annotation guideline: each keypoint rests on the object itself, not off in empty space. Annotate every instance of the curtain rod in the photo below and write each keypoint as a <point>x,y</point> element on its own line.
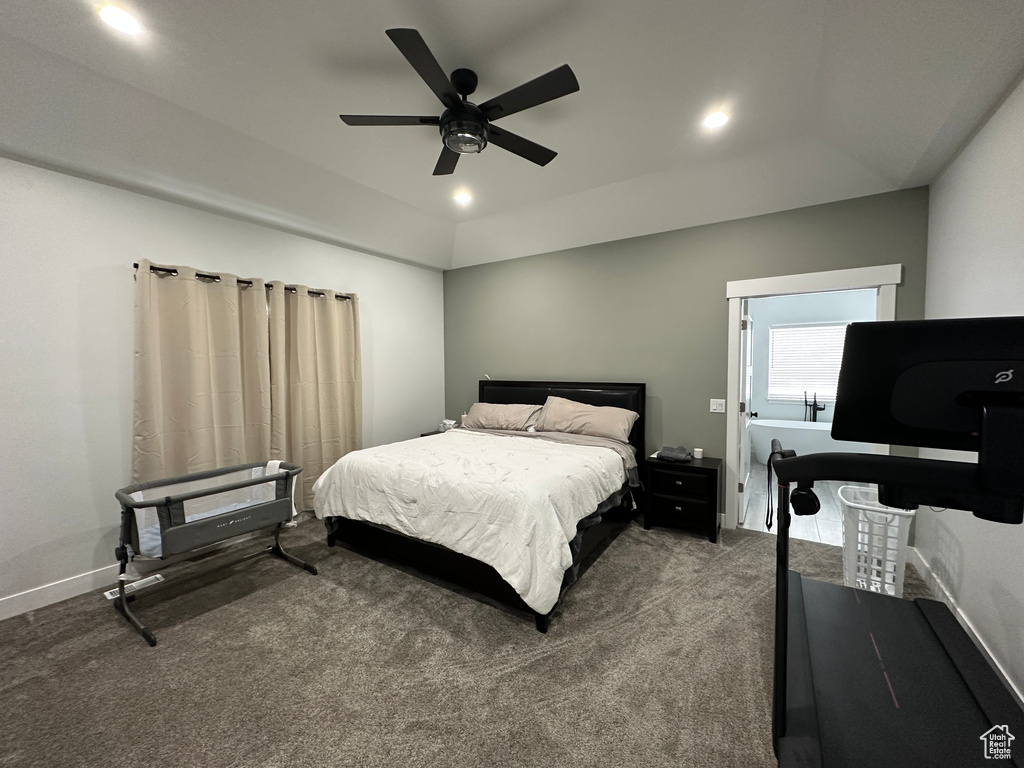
<point>240,281</point>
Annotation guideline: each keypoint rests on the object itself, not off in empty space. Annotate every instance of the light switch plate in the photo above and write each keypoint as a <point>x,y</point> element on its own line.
<point>717,406</point>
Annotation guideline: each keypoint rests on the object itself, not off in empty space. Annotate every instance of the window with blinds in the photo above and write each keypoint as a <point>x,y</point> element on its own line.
<point>805,359</point>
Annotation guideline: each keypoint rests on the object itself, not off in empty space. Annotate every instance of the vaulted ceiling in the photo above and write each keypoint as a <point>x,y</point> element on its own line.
<point>233,106</point>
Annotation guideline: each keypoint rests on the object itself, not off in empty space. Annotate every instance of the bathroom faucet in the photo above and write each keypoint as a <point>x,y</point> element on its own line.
<point>811,409</point>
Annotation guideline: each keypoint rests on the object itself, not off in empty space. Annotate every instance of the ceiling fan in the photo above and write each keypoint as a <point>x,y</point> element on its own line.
<point>466,127</point>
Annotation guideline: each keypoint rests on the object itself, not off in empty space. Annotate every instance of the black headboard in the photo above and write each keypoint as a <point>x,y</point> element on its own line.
<point>633,397</point>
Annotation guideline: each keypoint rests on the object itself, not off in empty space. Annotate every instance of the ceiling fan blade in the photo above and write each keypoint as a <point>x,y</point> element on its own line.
<point>389,120</point>
<point>411,44</point>
<point>555,84</point>
<point>446,162</point>
<point>525,148</point>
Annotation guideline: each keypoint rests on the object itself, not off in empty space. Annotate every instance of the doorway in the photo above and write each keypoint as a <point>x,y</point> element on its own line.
<point>794,347</point>
<point>881,280</point>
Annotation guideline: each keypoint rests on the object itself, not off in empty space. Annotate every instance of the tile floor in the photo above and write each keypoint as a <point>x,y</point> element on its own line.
<point>825,527</point>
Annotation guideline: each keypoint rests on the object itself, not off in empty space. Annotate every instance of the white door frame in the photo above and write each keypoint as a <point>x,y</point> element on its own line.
<point>883,279</point>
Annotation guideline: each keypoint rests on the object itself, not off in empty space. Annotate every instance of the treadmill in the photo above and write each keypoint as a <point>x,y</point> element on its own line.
<point>863,679</point>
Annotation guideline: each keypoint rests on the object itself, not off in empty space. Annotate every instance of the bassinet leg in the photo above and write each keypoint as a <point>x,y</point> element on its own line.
<point>121,605</point>
<point>278,550</point>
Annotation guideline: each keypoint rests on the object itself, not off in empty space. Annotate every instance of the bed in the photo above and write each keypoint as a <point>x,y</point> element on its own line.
<point>516,515</point>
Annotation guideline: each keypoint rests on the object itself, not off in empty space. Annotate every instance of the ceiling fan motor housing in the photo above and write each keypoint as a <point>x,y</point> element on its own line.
<point>464,128</point>
<point>464,80</point>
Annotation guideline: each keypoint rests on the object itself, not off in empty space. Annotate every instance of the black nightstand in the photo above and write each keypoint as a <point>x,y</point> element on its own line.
<point>684,494</point>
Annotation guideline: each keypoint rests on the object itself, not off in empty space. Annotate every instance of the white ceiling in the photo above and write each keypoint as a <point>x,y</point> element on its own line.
<point>233,105</point>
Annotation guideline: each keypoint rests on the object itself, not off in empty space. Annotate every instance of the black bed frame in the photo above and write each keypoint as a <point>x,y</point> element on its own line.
<point>437,561</point>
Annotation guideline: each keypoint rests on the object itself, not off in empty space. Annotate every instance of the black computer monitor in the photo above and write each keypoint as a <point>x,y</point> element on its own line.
<point>924,382</point>
<point>949,384</point>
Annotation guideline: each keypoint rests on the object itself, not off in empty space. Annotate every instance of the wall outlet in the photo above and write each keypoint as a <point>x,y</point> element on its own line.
<point>717,406</point>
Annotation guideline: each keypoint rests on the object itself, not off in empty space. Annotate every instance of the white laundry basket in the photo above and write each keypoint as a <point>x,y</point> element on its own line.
<point>874,541</point>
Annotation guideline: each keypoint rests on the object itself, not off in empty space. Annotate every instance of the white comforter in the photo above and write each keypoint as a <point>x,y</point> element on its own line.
<point>511,502</point>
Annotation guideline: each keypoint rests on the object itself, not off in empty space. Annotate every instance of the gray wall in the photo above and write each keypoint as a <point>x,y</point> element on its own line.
<point>976,269</point>
<point>653,308</point>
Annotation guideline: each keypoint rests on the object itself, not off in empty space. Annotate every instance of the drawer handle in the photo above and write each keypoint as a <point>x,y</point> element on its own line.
<point>679,482</point>
<point>679,509</point>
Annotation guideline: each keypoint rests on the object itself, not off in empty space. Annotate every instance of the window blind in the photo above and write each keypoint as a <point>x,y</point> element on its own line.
<point>805,359</point>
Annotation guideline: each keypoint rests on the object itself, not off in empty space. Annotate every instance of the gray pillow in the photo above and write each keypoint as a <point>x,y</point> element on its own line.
<point>561,415</point>
<point>501,416</point>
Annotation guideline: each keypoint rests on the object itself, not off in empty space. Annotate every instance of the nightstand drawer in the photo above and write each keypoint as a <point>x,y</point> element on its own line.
<point>666,508</point>
<point>667,483</point>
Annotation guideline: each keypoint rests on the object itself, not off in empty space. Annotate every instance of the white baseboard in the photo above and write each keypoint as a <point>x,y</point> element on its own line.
<point>101,578</point>
<point>32,599</point>
<point>942,593</point>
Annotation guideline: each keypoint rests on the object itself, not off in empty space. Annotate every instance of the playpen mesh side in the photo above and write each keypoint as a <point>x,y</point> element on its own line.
<point>214,502</point>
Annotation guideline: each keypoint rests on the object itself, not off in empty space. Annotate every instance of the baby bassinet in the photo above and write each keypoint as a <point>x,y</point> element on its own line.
<point>163,518</point>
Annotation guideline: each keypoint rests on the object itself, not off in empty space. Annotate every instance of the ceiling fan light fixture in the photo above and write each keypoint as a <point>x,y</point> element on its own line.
<point>464,136</point>
<point>466,128</point>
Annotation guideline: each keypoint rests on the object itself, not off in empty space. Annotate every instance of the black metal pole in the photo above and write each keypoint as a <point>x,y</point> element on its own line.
<point>781,618</point>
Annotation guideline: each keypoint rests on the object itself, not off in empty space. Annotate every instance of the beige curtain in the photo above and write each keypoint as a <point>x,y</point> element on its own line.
<point>315,379</point>
<point>202,372</point>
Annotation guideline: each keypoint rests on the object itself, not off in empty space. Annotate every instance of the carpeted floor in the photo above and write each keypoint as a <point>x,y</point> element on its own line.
<point>660,656</point>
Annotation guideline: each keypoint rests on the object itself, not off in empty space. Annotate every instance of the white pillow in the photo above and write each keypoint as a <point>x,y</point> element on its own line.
<point>561,415</point>
<point>501,416</point>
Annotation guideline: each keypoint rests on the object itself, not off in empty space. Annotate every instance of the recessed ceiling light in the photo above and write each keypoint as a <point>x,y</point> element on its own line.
<point>120,20</point>
<point>716,120</point>
<point>463,198</point>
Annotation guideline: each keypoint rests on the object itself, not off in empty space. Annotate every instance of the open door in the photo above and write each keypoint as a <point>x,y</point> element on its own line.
<point>743,422</point>
<point>883,278</point>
